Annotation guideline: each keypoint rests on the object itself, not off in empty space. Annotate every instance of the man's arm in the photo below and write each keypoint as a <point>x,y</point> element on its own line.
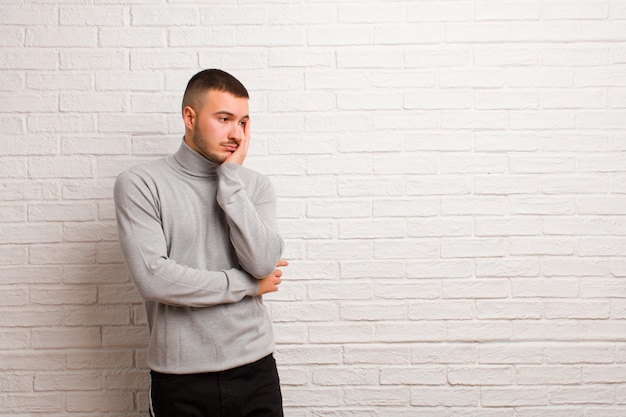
<point>157,277</point>
<point>253,226</point>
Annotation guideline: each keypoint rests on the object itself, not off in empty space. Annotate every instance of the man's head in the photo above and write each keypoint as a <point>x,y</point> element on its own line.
<point>215,112</point>
<point>211,79</point>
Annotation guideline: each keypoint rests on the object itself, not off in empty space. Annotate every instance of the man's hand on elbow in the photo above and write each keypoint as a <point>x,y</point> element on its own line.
<point>270,282</point>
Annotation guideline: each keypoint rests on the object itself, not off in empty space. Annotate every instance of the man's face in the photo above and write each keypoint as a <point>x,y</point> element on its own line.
<point>216,129</point>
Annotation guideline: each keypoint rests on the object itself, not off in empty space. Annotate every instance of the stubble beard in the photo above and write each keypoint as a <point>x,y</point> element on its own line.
<point>198,140</point>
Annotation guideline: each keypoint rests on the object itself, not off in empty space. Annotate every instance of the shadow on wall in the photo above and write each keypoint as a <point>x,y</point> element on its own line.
<point>75,326</point>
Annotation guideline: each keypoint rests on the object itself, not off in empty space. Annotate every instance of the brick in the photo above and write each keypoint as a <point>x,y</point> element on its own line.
<point>128,81</point>
<point>421,290</point>
<point>11,36</point>
<point>410,332</point>
<point>467,331</point>
<point>88,102</point>
<point>577,395</point>
<point>41,403</point>
<point>435,310</point>
<point>91,16</point>
<point>507,10</point>
<point>132,37</point>
<point>68,381</point>
<point>14,296</point>
<point>579,353</point>
<point>369,311</point>
<point>64,123</point>
<point>371,14</point>
<point>575,55</point>
<point>61,37</point>
<point>361,143</point>
<point>381,396</point>
<point>16,382</point>
<point>135,380</point>
<point>580,9</point>
<point>337,376</point>
<point>62,253</point>
<point>324,35</point>
<point>341,333</point>
<point>484,375</point>
<point>154,16</point>
<point>399,34</point>
<point>63,296</point>
<point>444,56</point>
<point>309,57</point>
<point>437,100</point>
<point>368,57</point>
<point>566,330</point>
<point>471,119</point>
<point>516,267</point>
<point>60,168</point>
<point>142,59</point>
<point>13,168</point>
<point>27,16</point>
<point>298,15</point>
<point>99,58</point>
<point>406,249</point>
<point>64,82</point>
<point>100,359</point>
<point>369,269</point>
<point>548,288</point>
<point>29,103</point>
<point>57,338</point>
<point>405,207</point>
<point>483,288</point>
<point>480,205</point>
<point>501,396</point>
<point>13,255</point>
<point>524,246</point>
<point>438,185</point>
<point>29,59</point>
<point>444,396</point>
<point>312,396</point>
<point>29,233</point>
<point>13,124</point>
<point>99,401</point>
<point>341,291</point>
<point>444,268</point>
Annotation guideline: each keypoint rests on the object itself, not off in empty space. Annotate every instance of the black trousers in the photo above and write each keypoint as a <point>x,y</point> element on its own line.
<point>247,391</point>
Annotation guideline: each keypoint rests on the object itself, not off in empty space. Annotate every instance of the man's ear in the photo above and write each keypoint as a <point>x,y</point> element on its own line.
<point>189,117</point>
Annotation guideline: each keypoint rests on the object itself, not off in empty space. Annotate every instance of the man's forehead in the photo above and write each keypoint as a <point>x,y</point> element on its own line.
<point>223,101</point>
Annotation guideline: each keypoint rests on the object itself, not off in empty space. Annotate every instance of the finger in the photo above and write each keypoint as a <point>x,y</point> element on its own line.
<point>282,262</point>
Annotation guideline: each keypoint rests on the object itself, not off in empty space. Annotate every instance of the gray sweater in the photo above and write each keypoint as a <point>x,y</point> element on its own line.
<point>196,236</point>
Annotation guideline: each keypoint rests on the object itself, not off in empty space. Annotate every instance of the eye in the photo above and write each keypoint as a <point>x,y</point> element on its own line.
<point>242,123</point>
<point>223,119</point>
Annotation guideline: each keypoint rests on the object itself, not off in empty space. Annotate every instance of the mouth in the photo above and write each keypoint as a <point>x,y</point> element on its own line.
<point>230,147</point>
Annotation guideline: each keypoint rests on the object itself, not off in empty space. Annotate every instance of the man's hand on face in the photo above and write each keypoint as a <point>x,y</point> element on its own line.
<point>270,283</point>
<point>239,154</point>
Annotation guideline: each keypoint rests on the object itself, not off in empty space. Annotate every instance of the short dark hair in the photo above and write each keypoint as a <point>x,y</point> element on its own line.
<point>211,79</point>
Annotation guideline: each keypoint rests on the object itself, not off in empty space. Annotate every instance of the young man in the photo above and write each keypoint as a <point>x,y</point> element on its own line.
<point>199,235</point>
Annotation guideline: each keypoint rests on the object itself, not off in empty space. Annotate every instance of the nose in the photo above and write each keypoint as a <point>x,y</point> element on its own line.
<point>236,131</point>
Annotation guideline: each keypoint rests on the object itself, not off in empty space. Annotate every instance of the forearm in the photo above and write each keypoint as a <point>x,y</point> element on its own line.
<point>163,280</point>
<point>253,226</point>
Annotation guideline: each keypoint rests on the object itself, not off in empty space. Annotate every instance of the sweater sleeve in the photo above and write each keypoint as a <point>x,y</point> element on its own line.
<point>157,277</point>
<point>252,222</point>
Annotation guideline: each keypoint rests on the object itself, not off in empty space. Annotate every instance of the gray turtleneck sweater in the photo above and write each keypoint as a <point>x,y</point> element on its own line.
<point>196,236</point>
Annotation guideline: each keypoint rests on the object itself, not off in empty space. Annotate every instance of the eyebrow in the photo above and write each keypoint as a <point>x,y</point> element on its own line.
<point>226,113</point>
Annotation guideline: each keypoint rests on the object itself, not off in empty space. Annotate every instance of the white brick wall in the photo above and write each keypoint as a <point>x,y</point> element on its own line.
<point>451,180</point>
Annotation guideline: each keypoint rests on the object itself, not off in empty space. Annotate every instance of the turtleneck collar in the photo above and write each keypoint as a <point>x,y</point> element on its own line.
<point>192,163</point>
